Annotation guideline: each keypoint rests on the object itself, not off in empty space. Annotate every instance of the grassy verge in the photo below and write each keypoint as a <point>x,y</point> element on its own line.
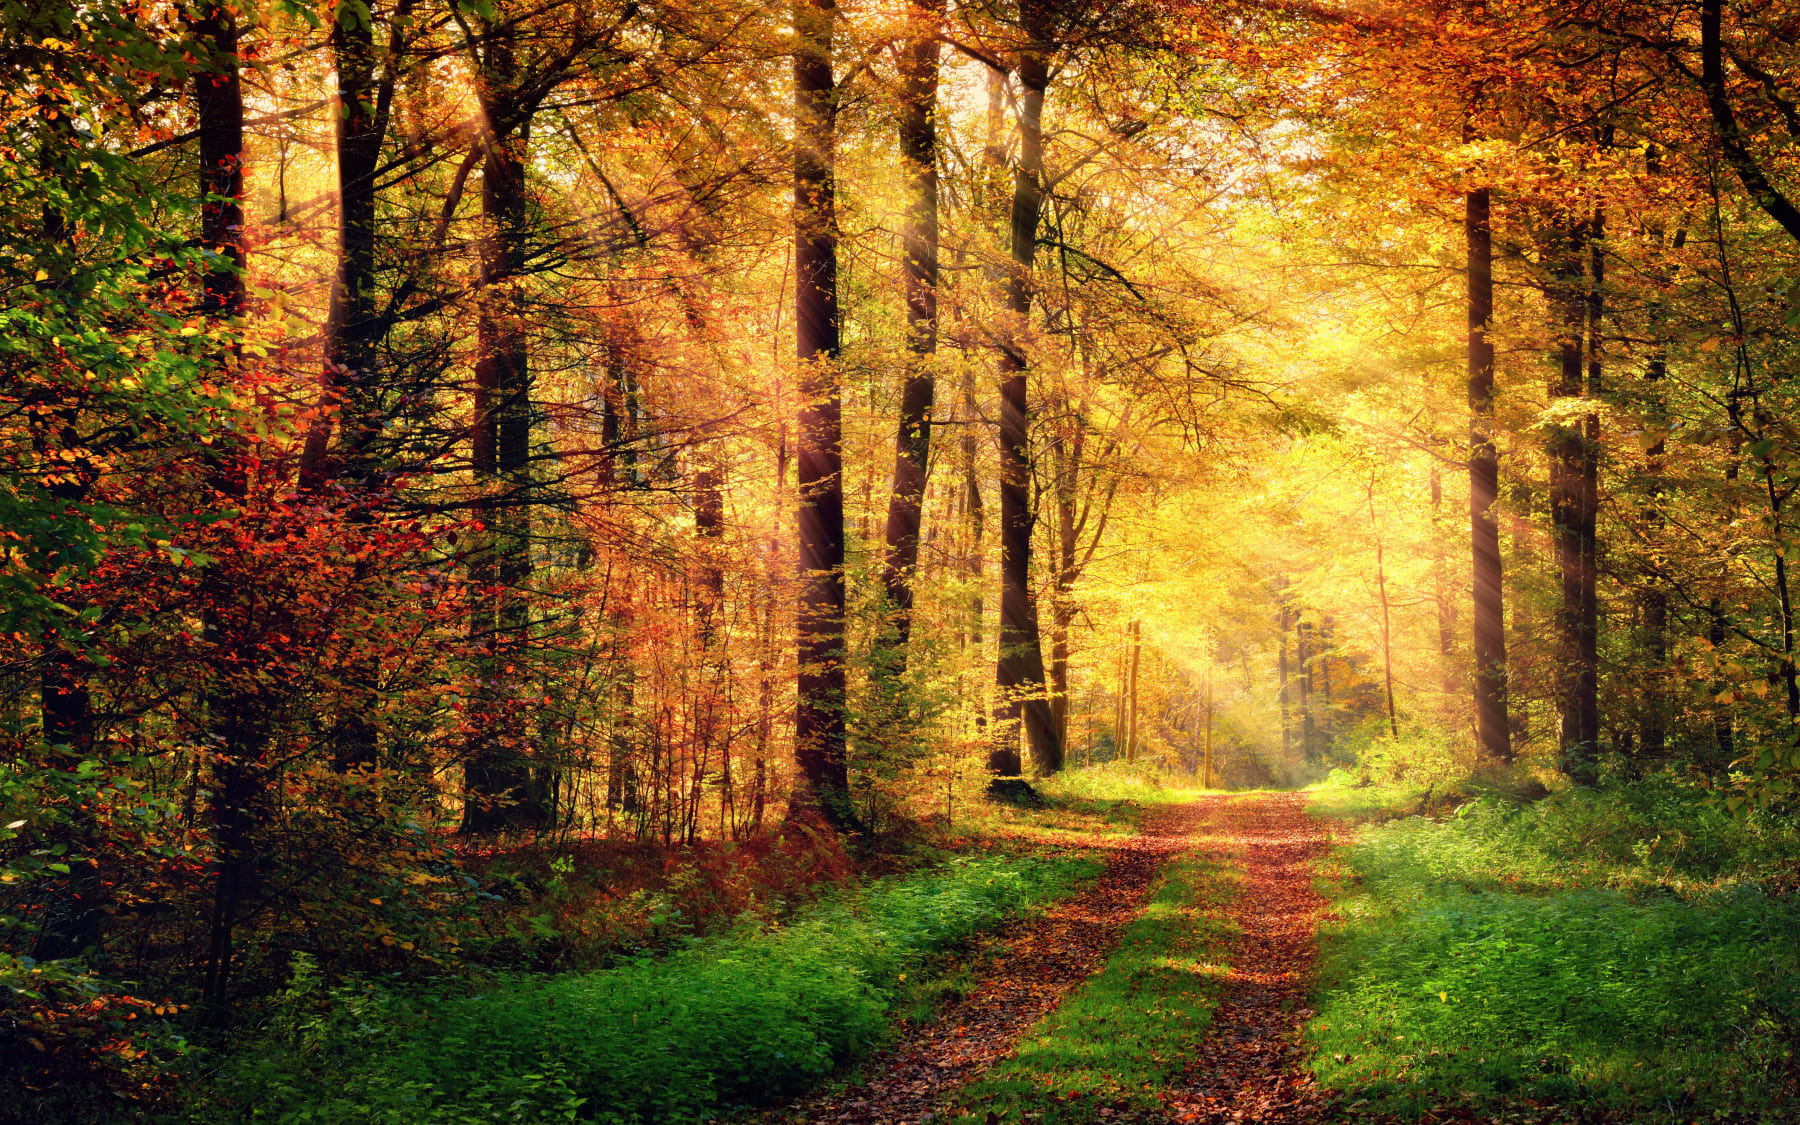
<point>1630,951</point>
<point>726,1021</point>
<point>1125,1033</point>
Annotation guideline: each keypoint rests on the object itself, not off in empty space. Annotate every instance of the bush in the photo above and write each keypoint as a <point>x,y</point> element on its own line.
<point>752,1014</point>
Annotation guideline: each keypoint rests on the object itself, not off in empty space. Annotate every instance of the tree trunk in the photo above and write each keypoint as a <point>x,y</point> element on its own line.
<point>352,326</point>
<point>1131,727</point>
<point>1020,669</point>
<point>1653,723</point>
<point>1387,626</point>
<point>919,243</point>
<point>1575,676</point>
<point>1304,659</point>
<point>1284,622</point>
<point>823,786</point>
<point>502,789</point>
<point>218,96</point>
<point>1492,731</point>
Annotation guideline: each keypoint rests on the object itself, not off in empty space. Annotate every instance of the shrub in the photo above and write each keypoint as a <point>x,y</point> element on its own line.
<point>751,1014</point>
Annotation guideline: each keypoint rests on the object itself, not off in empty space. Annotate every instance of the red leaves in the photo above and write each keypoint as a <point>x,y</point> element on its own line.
<point>1249,1068</point>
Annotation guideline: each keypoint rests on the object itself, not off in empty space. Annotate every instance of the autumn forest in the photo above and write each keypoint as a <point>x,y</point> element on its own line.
<point>899,560</point>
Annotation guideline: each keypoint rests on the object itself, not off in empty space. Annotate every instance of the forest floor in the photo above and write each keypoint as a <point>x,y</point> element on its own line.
<point>1208,912</point>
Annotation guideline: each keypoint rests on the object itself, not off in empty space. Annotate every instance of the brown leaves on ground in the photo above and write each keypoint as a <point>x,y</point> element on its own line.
<point>1249,1069</point>
<point>1044,958</point>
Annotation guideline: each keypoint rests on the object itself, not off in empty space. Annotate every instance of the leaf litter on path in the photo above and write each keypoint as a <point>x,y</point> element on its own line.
<point>1249,1068</point>
<point>1045,958</point>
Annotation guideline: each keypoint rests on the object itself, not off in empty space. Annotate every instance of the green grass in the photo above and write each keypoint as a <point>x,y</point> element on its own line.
<point>1619,949</point>
<point>1129,1030</point>
<point>727,1021</point>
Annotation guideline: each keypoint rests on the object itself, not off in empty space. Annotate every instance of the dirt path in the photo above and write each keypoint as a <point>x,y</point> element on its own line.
<point>1048,957</point>
<point>1249,1067</point>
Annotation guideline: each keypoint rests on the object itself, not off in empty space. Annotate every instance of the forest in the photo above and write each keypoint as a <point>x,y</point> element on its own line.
<point>871,561</point>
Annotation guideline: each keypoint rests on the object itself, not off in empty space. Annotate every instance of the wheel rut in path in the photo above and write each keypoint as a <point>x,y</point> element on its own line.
<point>1049,956</point>
<point>1249,1067</point>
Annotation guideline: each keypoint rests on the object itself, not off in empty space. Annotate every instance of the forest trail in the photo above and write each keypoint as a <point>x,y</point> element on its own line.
<point>1047,958</point>
<point>1248,1070</point>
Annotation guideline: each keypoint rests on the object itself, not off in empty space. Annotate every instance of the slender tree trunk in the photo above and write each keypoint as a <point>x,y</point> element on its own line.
<point>1568,469</point>
<point>218,94</point>
<point>352,326</point>
<point>502,789</point>
<point>823,786</point>
<point>1020,670</point>
<point>1207,780</point>
<point>1440,586</point>
<point>1062,607</point>
<point>919,244</point>
<point>1492,730</point>
<point>1284,620</point>
<point>1131,728</point>
<point>975,514</point>
<point>1304,659</point>
<point>1653,725</point>
<point>1387,625</point>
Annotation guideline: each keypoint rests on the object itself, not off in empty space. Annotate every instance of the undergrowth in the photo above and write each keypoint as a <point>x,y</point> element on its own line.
<point>1634,949</point>
<point>736,1019</point>
<point>1128,1030</point>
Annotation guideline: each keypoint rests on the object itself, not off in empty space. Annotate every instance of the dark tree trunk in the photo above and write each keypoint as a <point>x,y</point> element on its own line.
<point>1576,676</point>
<point>1284,622</point>
<point>502,789</point>
<point>352,327</point>
<point>823,786</point>
<point>919,239</point>
<point>1131,721</point>
<point>1020,671</point>
<point>218,95</point>
<point>1492,731</point>
<point>1653,725</point>
<point>1304,659</point>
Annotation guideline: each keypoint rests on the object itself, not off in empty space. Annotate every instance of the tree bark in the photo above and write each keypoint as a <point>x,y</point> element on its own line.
<point>1019,674</point>
<point>822,789</point>
<point>1576,676</point>
<point>1131,722</point>
<point>502,789</point>
<point>919,271</point>
<point>1492,730</point>
<point>1654,598</point>
<point>219,104</point>
<point>352,326</point>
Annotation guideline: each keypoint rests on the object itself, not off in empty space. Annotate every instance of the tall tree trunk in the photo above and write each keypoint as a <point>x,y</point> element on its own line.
<point>1440,586</point>
<point>1387,624</point>
<point>975,515</point>
<point>352,326</point>
<point>1304,659</point>
<point>1653,723</point>
<point>919,244</point>
<point>1284,622</point>
<point>1492,730</point>
<point>1019,674</point>
<point>218,95</point>
<point>1575,676</point>
<point>503,791</point>
<point>1131,728</point>
<point>823,786</point>
<point>1068,569</point>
